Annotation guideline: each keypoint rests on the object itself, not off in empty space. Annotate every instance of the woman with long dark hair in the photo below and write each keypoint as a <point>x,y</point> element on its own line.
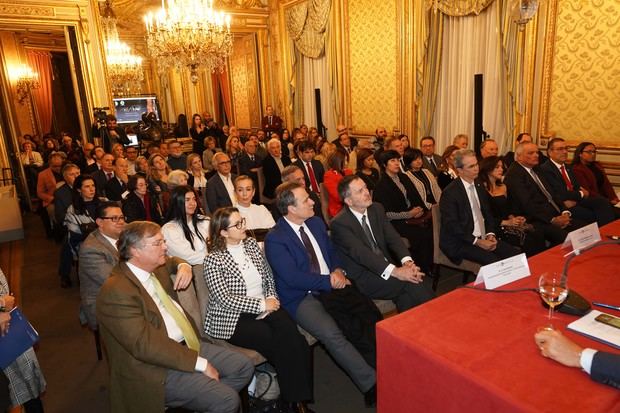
<point>591,174</point>
<point>198,132</point>
<point>447,170</point>
<point>244,308</point>
<point>181,130</point>
<point>366,168</point>
<point>336,172</point>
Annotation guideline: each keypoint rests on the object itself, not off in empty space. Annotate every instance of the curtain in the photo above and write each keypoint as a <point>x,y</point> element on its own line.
<point>457,8</point>
<point>306,23</point>
<point>335,62</point>
<point>428,68</point>
<point>471,45</point>
<point>316,76</point>
<point>41,63</point>
<point>221,87</point>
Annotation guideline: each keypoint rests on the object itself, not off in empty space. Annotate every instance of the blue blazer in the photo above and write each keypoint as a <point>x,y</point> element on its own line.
<point>290,262</point>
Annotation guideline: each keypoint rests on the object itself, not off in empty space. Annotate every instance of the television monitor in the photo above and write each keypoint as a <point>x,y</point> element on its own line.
<point>130,109</point>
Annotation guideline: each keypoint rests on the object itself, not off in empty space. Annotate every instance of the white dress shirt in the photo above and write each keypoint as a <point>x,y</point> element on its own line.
<point>317,250</point>
<point>230,187</point>
<point>179,246</point>
<point>256,216</point>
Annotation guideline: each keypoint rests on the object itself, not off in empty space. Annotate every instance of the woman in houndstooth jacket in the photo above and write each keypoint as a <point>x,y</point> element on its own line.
<point>244,308</point>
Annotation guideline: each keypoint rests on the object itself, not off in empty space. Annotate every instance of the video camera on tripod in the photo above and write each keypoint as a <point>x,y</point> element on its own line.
<point>100,115</point>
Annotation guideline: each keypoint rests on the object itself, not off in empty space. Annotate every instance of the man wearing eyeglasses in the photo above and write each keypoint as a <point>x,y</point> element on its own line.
<point>157,359</point>
<point>220,187</point>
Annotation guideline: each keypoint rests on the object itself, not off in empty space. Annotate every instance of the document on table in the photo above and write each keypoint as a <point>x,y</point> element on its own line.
<point>588,326</point>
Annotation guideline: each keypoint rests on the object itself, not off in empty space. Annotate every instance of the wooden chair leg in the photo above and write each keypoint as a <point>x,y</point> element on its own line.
<point>98,344</point>
<point>436,275</point>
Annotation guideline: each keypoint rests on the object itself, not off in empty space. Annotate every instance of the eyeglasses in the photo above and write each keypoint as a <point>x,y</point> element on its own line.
<point>116,219</point>
<point>591,152</point>
<point>157,243</point>
<point>238,225</point>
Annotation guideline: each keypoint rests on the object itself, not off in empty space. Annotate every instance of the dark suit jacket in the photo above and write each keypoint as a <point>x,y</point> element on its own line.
<point>273,177</point>
<point>317,166</point>
<point>114,189</point>
<point>63,197</point>
<point>91,169</point>
<point>526,197</point>
<point>97,258</point>
<point>318,211</point>
<point>137,343</point>
<point>101,180</point>
<point>606,369</point>
<point>245,164</point>
<point>427,165</point>
<point>557,186</point>
<point>217,195</point>
<point>274,126</point>
<point>133,208</point>
<point>108,141</point>
<point>457,219</point>
<point>355,249</point>
<point>290,262</point>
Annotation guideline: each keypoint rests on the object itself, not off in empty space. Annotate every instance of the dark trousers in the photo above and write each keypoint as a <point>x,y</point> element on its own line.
<point>420,243</point>
<point>502,251</point>
<point>276,337</point>
<point>593,208</point>
<point>404,294</point>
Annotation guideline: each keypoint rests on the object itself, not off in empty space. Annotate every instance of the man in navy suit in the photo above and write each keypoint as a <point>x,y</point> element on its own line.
<point>467,226</point>
<point>220,187</point>
<point>313,170</point>
<point>564,186</point>
<point>307,271</point>
<point>601,366</point>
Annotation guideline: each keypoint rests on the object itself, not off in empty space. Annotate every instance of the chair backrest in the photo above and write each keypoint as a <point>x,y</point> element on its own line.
<point>261,185</point>
<point>189,301</point>
<point>436,216</point>
<point>324,203</point>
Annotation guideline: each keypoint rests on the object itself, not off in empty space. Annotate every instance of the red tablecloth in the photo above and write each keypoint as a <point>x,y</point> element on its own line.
<point>474,351</point>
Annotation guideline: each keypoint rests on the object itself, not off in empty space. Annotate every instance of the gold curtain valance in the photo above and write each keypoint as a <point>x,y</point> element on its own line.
<point>458,8</point>
<point>306,23</point>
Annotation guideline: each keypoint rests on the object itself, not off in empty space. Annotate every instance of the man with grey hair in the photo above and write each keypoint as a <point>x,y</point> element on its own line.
<point>273,164</point>
<point>467,225</point>
<point>293,173</point>
<point>488,148</point>
<point>220,187</point>
<point>156,356</point>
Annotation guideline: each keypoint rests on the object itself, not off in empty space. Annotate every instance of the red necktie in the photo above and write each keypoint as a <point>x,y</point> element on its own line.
<point>569,184</point>
<point>313,183</point>
<point>109,175</point>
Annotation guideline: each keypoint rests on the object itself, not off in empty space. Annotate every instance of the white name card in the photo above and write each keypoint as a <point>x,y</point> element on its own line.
<point>503,272</point>
<point>582,237</point>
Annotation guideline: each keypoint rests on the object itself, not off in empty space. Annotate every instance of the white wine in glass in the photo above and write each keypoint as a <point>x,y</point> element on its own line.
<point>553,290</point>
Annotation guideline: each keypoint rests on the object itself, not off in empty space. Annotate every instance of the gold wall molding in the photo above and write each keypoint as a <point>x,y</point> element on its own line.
<point>25,10</point>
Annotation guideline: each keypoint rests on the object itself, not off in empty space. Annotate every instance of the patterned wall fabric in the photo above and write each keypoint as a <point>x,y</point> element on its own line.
<point>244,75</point>
<point>373,49</point>
<point>585,97</point>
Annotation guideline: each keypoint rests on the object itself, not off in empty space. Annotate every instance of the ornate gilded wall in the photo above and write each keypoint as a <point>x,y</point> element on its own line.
<point>585,97</point>
<point>244,78</point>
<point>373,64</point>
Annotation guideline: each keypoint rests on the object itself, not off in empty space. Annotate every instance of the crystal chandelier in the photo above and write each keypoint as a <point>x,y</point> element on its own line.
<point>124,68</point>
<point>189,33</point>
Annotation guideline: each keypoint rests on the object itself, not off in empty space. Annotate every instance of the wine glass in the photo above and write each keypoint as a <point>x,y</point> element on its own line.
<point>553,290</point>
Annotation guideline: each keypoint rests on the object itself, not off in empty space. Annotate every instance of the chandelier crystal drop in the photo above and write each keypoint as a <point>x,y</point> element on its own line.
<point>189,34</point>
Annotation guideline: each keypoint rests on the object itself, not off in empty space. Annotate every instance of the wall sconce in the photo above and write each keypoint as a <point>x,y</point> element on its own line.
<point>27,79</point>
<point>523,11</point>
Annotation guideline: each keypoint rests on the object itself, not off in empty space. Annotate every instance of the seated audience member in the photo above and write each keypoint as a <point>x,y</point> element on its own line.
<point>95,155</point>
<point>461,141</point>
<point>373,252</point>
<point>176,178</point>
<point>117,185</point>
<point>241,288</point>
<point>378,140</point>
<point>348,145</point>
<point>98,255</point>
<point>514,229</point>
<point>405,141</point>
<point>47,181</point>
<point>522,138</point>
<point>26,381</point>
<point>234,150</point>
<point>105,174</point>
<point>591,174</point>
<point>423,180</point>
<point>256,216</point>
<point>531,198</point>
<point>220,187</point>
<point>447,171</point>
<point>393,144</point>
<point>273,164</point>
<point>142,202</point>
<point>197,179</point>
<point>154,351</point>
<point>312,287</point>
<point>312,169</point>
<point>50,146</point>
<point>118,151</point>
<point>86,158</point>
<point>336,171</point>
<point>159,171</point>
<point>405,209</point>
<point>293,173</point>
<point>131,155</point>
<point>31,161</point>
<point>468,229</point>
<point>431,160</point>
<point>286,140</point>
<point>325,151</point>
<point>177,160</point>
<point>488,147</point>
<point>249,162</point>
<point>207,154</point>
<point>564,186</point>
<point>602,367</point>
<point>63,198</point>
<point>142,166</point>
<point>367,168</point>
<point>163,150</point>
<point>151,149</point>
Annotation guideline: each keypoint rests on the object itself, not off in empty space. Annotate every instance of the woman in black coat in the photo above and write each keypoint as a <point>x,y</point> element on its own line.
<point>141,204</point>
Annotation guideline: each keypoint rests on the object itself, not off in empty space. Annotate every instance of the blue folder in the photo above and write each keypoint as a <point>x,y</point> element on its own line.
<point>20,337</point>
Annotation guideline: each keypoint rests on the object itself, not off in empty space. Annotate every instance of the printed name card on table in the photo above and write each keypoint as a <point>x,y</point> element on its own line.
<point>503,272</point>
<point>582,237</point>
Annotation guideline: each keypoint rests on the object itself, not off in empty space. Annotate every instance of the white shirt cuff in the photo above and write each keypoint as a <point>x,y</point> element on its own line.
<point>201,364</point>
<point>405,259</point>
<point>586,359</point>
<point>388,271</point>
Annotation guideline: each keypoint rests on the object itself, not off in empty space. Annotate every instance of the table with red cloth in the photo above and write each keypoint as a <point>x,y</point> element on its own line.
<point>474,351</point>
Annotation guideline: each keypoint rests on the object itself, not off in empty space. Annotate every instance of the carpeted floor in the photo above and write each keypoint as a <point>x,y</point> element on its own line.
<point>78,383</point>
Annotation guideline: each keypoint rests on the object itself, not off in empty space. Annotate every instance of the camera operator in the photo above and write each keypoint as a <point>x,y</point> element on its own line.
<point>112,134</point>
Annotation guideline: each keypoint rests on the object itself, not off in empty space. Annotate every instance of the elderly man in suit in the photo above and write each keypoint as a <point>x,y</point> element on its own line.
<point>156,357</point>
<point>564,186</point>
<point>467,226</point>
<point>273,165</point>
<point>105,174</point>
<point>271,123</point>
<point>117,186</point>
<point>98,255</point>
<point>430,160</point>
<point>313,170</point>
<point>220,187</point>
<point>531,196</point>
<point>310,280</point>
<point>372,251</point>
